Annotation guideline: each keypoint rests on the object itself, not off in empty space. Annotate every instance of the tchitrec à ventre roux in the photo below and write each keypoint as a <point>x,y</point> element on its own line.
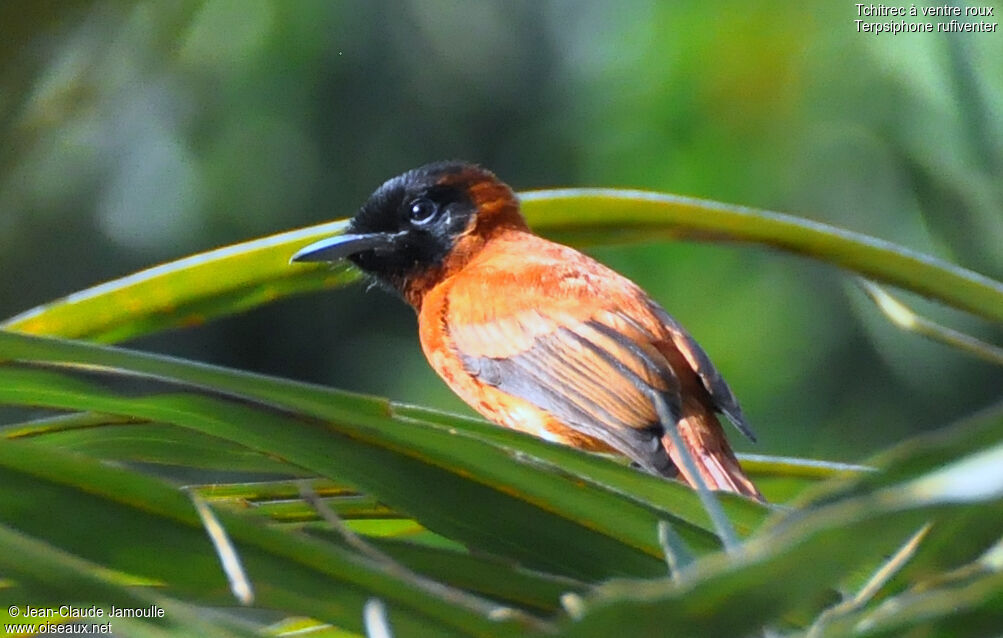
<point>942,11</point>
<point>537,336</point>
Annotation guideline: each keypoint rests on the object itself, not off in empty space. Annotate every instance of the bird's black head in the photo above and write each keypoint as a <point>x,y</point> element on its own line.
<point>413,221</point>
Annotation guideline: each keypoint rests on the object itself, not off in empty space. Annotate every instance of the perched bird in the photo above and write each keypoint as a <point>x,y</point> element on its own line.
<point>537,336</point>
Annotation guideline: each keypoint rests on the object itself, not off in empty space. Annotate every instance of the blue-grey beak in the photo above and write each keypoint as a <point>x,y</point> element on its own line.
<point>342,246</point>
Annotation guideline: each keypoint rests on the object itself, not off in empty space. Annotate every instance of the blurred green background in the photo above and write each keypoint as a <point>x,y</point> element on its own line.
<point>139,132</point>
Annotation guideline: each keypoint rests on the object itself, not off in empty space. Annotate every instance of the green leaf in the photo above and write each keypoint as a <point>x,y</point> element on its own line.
<point>917,455</point>
<point>484,575</point>
<point>164,444</point>
<point>509,508</point>
<point>235,278</point>
<point>48,577</point>
<point>972,609</point>
<point>927,454</point>
<point>132,523</point>
<point>595,214</point>
<point>610,511</point>
<point>782,573</point>
<point>924,483</point>
<point>346,507</point>
<point>186,292</point>
<point>250,492</point>
<point>780,478</point>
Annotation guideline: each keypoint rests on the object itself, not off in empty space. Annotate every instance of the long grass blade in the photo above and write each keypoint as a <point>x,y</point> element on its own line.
<point>677,555</point>
<point>240,584</point>
<point>904,318</point>
<point>722,525</point>
<point>375,616</point>
<point>878,579</point>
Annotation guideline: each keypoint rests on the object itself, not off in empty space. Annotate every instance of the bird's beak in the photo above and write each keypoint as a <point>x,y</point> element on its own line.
<point>342,246</point>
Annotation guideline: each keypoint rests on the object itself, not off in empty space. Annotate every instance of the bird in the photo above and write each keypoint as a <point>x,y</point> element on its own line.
<point>537,336</point>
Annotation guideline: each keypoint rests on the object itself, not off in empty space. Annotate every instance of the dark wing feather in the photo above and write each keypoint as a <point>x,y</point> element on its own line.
<point>593,380</point>
<point>721,395</point>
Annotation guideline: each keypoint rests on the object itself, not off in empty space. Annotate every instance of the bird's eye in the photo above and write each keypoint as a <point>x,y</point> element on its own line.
<point>423,210</point>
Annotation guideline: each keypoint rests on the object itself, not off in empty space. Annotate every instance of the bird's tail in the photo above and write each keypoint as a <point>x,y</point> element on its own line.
<point>703,436</point>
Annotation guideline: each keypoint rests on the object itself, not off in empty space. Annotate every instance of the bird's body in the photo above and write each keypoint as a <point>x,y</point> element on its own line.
<point>537,336</point>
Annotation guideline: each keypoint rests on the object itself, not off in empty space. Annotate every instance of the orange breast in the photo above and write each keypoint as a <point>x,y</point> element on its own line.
<point>495,405</point>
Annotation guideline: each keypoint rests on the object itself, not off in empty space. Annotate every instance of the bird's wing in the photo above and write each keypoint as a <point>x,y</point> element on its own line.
<point>576,373</point>
<point>722,398</point>
<point>578,341</point>
<point>563,338</point>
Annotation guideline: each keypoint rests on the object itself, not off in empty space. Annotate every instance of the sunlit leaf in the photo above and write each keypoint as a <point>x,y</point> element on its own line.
<point>238,277</point>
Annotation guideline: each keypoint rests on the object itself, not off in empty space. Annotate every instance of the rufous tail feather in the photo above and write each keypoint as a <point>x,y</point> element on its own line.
<point>702,433</point>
